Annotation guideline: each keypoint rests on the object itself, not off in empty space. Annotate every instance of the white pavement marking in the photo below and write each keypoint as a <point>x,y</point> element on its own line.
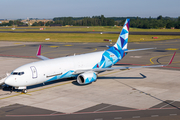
<point>53,113</point>
<point>135,56</point>
<point>154,115</point>
<point>107,106</point>
<point>99,119</point>
<point>103,108</point>
<point>173,114</point>
<point>167,104</point>
<point>118,118</point>
<point>136,117</point>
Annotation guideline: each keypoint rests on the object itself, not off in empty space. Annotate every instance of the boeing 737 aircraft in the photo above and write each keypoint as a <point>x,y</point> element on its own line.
<point>84,67</point>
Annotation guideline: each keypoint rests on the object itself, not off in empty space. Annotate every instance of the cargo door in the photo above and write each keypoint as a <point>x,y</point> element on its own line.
<point>34,72</point>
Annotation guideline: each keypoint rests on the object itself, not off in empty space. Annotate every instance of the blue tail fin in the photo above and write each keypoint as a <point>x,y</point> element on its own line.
<point>117,52</point>
<point>122,41</point>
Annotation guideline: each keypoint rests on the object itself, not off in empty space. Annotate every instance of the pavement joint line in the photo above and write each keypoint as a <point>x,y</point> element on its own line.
<point>103,108</point>
<point>54,112</point>
<point>141,92</point>
<point>106,107</point>
<point>167,104</point>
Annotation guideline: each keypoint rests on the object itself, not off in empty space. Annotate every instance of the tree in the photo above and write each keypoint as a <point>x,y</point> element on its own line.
<point>11,22</point>
<point>177,25</point>
<point>35,24</point>
<point>179,18</point>
<point>169,25</point>
<point>159,17</point>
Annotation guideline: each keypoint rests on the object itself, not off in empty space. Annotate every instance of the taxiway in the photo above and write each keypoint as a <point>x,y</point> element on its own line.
<point>143,93</point>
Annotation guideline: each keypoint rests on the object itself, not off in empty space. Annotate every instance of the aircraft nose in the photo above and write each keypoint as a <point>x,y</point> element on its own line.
<point>8,82</point>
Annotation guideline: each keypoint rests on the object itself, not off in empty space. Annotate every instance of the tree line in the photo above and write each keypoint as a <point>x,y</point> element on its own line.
<point>12,22</point>
<point>136,22</point>
<point>159,22</point>
<point>85,21</point>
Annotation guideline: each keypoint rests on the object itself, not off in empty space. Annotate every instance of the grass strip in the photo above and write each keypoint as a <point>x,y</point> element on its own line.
<point>77,37</point>
<point>90,28</point>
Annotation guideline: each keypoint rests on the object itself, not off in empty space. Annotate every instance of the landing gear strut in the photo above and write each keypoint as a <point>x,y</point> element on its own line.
<point>12,88</point>
<point>24,91</point>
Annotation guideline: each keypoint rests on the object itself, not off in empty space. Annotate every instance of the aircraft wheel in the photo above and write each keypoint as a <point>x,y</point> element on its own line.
<point>24,91</point>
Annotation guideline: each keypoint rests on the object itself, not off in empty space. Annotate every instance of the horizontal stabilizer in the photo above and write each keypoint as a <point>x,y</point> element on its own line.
<point>139,49</point>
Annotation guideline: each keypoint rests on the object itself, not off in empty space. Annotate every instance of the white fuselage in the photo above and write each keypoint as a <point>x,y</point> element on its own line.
<point>42,71</point>
<point>85,67</point>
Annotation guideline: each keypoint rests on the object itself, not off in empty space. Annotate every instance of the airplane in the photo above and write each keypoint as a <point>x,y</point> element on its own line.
<point>84,67</point>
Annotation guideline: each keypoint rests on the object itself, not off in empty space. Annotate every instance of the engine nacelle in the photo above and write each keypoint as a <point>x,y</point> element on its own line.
<point>86,78</point>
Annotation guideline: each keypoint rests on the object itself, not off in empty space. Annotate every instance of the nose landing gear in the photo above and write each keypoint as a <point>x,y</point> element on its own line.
<point>24,91</point>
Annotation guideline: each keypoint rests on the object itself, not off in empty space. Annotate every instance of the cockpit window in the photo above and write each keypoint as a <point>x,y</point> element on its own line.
<point>17,73</point>
<point>20,73</point>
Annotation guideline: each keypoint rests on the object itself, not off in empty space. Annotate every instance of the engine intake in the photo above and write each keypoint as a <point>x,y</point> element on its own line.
<point>86,78</point>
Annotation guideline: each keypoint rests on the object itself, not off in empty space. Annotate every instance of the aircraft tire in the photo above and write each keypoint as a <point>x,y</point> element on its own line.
<point>24,91</point>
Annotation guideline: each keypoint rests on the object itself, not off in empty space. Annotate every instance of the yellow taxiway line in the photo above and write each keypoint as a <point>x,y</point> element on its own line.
<point>158,56</point>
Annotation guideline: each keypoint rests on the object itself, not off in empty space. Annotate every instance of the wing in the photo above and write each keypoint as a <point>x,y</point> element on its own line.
<point>121,68</point>
<point>39,54</point>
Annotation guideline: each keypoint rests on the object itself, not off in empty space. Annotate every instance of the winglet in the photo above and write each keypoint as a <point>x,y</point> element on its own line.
<point>171,59</point>
<point>39,54</point>
<point>39,51</point>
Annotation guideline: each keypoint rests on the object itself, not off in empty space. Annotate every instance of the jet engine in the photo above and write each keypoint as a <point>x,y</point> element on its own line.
<point>87,77</point>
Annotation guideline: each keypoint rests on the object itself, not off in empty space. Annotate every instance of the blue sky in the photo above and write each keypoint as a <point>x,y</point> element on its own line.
<point>14,9</point>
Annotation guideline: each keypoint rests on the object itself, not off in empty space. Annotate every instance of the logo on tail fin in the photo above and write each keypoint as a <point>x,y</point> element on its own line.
<point>122,41</point>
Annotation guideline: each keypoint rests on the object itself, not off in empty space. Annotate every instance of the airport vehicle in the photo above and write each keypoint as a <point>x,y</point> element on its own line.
<point>84,67</point>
